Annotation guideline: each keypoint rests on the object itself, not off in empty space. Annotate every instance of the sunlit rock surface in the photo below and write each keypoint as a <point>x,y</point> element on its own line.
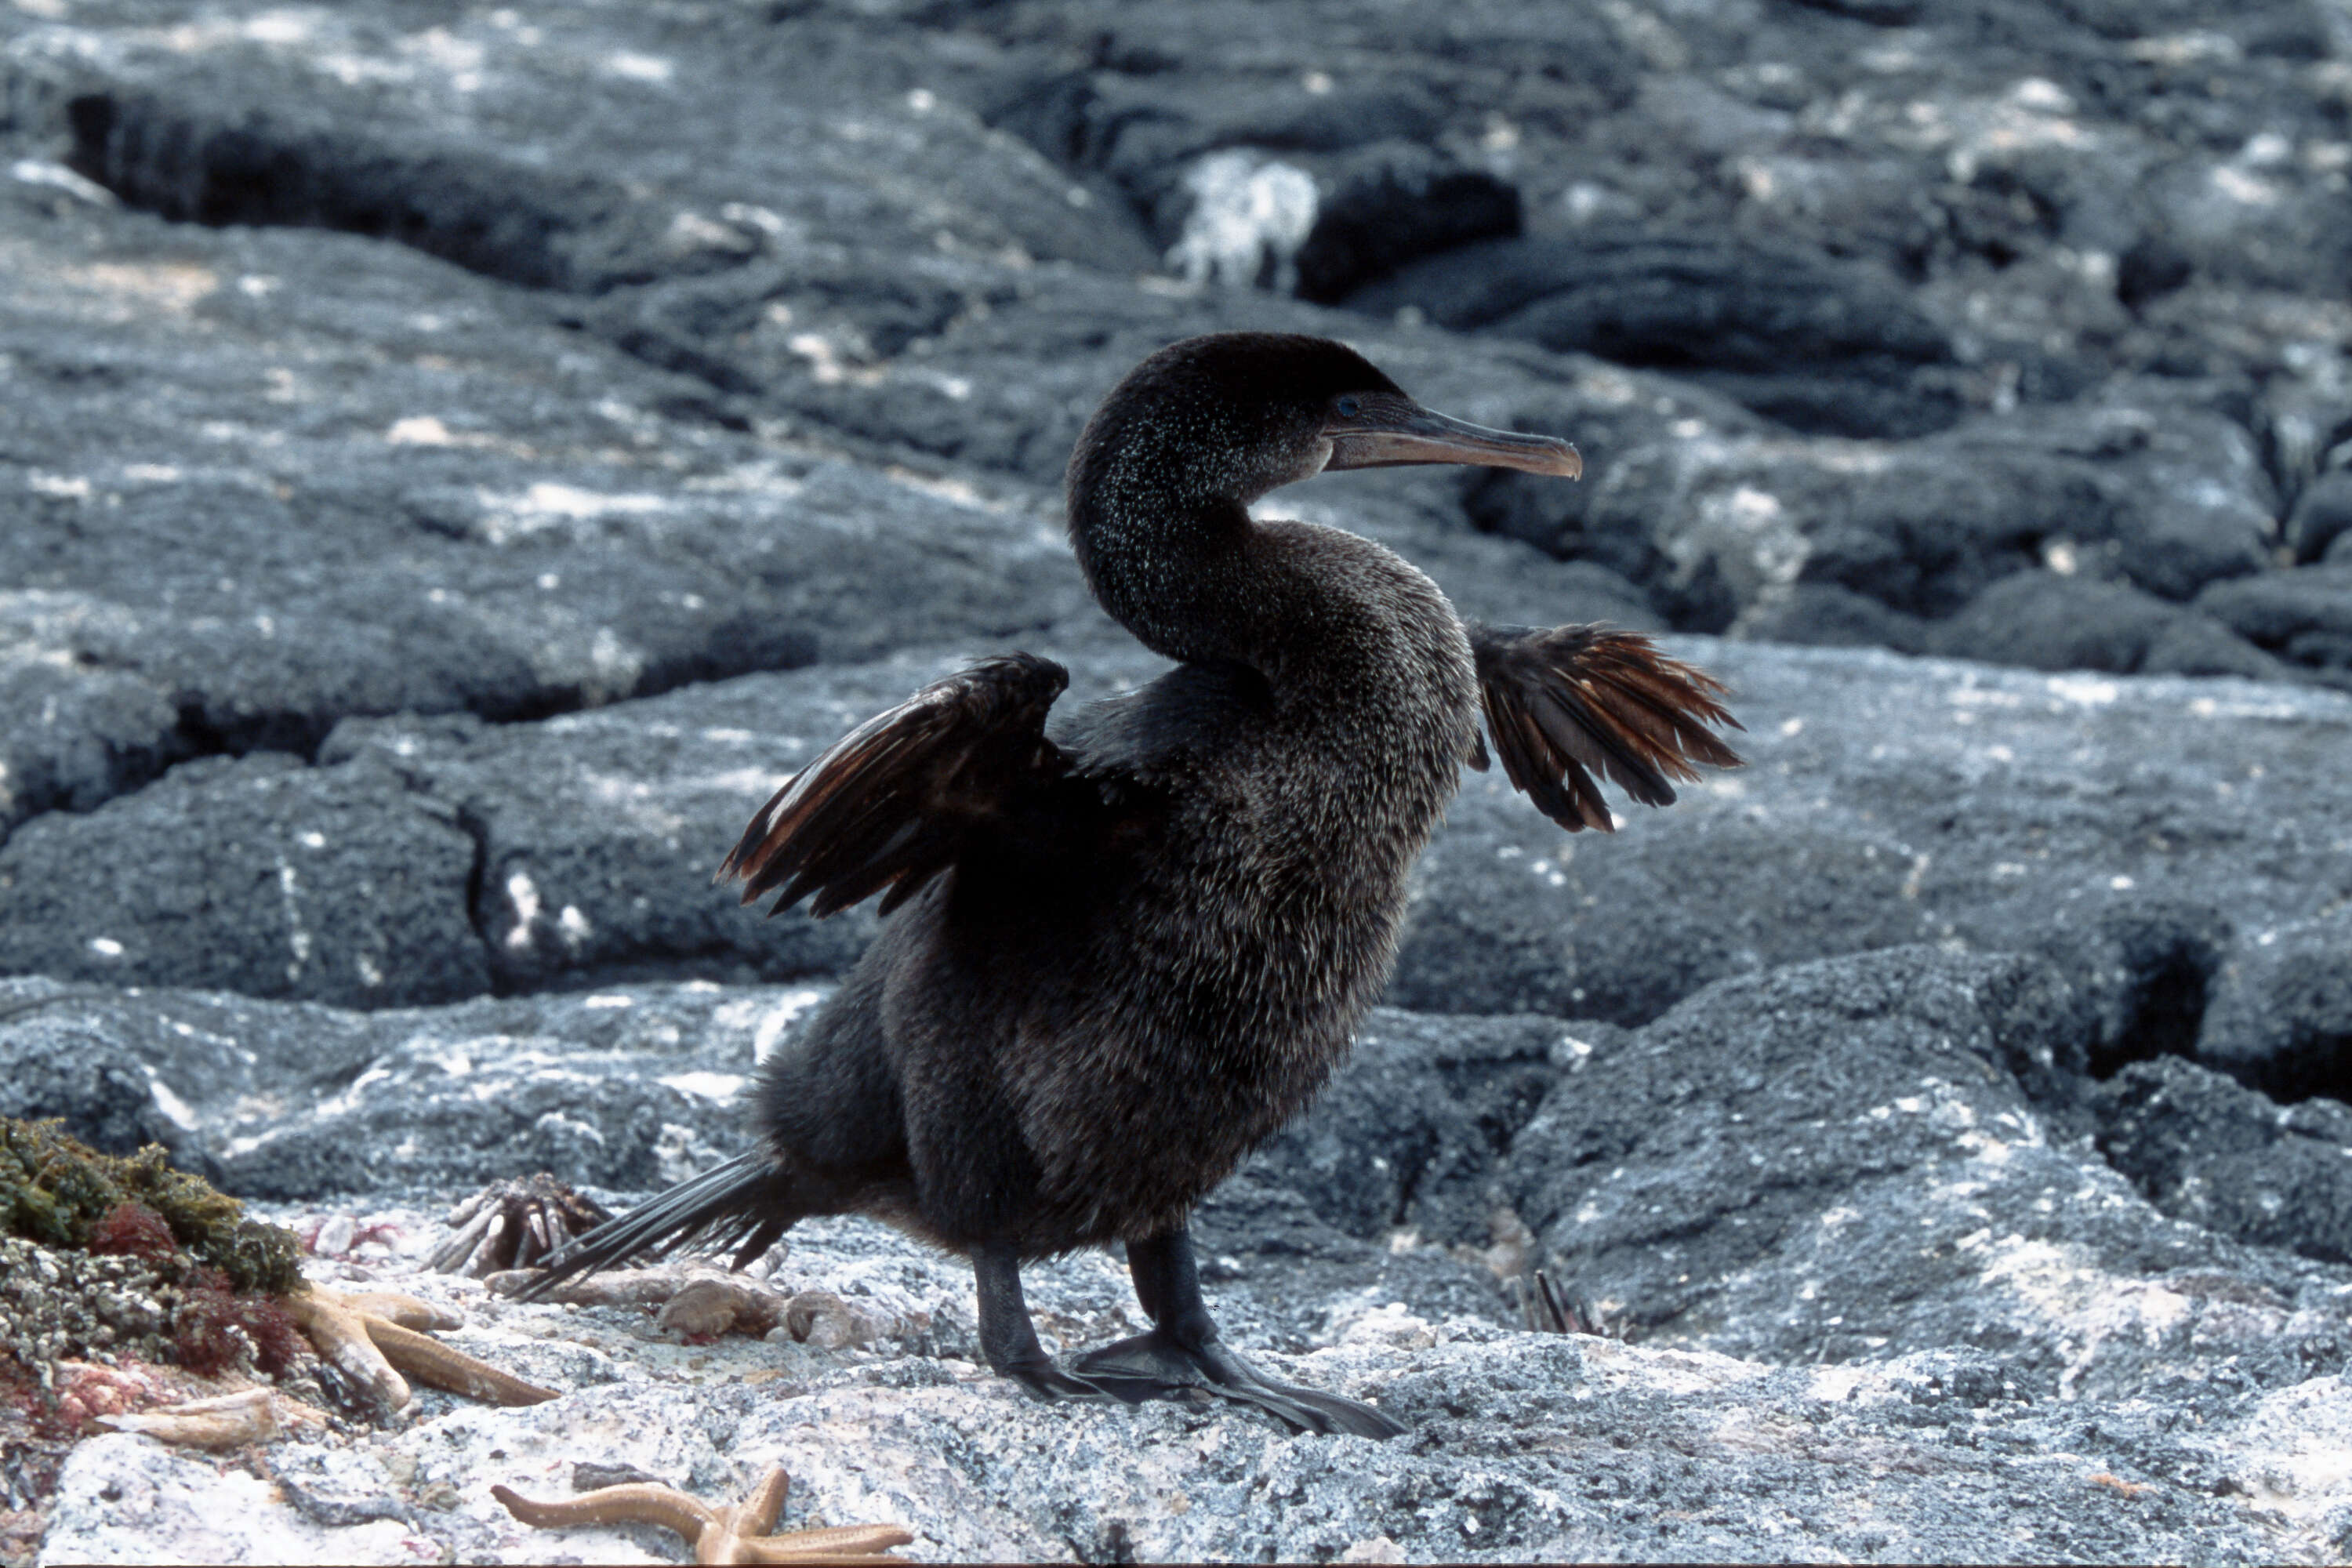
<point>1526,1445</point>
<point>456,461</point>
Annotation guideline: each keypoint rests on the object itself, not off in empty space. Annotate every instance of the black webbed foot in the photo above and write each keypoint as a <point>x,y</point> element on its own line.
<point>1047,1380</point>
<point>1155,1366</point>
<point>1009,1340</point>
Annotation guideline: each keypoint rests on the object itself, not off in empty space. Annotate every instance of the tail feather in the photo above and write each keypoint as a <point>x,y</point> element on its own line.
<point>724,1206</point>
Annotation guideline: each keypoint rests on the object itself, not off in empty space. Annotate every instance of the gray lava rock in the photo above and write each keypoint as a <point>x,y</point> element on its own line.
<point>2143,967</point>
<point>1280,1275</point>
<point>1909,802</point>
<point>2272,235</point>
<point>2193,644</point>
<point>2282,1013</point>
<point>235,128</point>
<point>1722,533</point>
<point>1531,1446</point>
<point>1817,345</point>
<point>193,158</point>
<point>102,1092</point>
<point>1924,528</point>
<point>2046,621</point>
<point>72,737</point>
<point>1386,203</point>
<point>2323,514</point>
<point>255,874</point>
<point>1629,295</point>
<point>2204,1149</point>
<point>1992,178</point>
<point>1250,178</point>
<point>533,431</point>
<point>2303,616</point>
<point>1550,1445</point>
<point>1822,615</point>
<point>440,534</point>
<point>1410,1131</point>
<point>1953,803</point>
<point>1837,1161</point>
<point>627,1090</point>
<point>600,832</point>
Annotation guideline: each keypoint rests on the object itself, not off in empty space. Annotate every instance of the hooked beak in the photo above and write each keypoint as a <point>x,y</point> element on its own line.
<point>1394,430</point>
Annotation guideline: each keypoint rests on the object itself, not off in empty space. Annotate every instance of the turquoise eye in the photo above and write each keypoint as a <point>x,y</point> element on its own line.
<point>1351,407</point>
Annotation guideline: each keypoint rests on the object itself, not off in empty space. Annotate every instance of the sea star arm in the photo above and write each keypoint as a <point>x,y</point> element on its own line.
<point>342,1340</point>
<point>364,1337</point>
<point>766,1505</point>
<point>841,1543</point>
<point>406,1310</point>
<point>735,1534</point>
<point>431,1362</point>
<point>634,1502</point>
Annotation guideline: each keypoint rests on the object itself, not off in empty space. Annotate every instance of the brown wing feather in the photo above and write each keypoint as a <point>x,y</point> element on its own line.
<point>1574,704</point>
<point>890,805</point>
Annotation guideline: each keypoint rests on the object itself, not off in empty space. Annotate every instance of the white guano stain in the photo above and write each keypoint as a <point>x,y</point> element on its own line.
<point>631,67</point>
<point>170,1104</point>
<point>522,893</point>
<point>298,934</point>
<point>719,1086</point>
<point>1250,217</point>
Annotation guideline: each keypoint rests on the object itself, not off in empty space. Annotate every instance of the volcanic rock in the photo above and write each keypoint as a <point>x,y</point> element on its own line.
<point>460,459</point>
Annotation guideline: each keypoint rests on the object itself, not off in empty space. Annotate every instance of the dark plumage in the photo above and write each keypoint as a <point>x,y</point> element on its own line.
<point>1123,957</point>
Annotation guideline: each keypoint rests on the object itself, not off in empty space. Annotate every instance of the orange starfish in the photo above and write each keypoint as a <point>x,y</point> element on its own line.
<point>367,1334</point>
<point>735,1533</point>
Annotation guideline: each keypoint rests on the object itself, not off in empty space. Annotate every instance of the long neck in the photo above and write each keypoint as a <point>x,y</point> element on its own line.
<point>1169,561</point>
<point>1352,641</point>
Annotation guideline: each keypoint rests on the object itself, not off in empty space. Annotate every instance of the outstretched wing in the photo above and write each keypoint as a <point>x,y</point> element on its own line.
<point>1569,703</point>
<point>894,801</point>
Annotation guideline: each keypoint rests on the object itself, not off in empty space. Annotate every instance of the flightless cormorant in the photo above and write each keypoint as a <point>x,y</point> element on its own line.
<point>1119,958</point>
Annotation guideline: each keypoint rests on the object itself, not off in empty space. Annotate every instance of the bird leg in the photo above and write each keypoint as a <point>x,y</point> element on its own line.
<point>1184,1353</point>
<point>1008,1339</point>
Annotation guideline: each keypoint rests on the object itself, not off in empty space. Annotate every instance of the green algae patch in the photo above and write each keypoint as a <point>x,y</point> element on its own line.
<point>61,1193</point>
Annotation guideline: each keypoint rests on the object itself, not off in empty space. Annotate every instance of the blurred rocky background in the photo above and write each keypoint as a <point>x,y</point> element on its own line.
<point>455,459</point>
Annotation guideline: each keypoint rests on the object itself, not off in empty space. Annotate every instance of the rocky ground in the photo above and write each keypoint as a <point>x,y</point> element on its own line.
<point>456,458</point>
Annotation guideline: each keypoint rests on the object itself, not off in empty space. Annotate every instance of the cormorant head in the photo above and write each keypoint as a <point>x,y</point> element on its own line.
<point>1231,415</point>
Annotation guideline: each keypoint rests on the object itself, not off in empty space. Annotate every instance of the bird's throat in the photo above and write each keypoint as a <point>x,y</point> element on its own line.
<point>1175,573</point>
